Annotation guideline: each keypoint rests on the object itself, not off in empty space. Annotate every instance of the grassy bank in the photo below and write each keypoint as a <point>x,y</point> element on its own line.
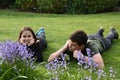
<point>59,27</point>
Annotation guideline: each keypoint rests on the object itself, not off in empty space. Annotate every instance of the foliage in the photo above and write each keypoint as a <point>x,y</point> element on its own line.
<point>67,6</point>
<point>58,6</point>
<point>119,3</point>
<point>16,62</point>
<point>6,3</point>
<point>26,5</point>
<point>90,6</point>
<point>58,69</point>
<point>44,6</point>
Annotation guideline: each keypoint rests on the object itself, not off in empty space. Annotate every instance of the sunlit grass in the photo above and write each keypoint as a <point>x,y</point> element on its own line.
<point>59,27</point>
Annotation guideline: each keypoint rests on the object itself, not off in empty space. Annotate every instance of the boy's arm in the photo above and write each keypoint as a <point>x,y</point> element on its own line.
<point>97,58</point>
<point>59,52</point>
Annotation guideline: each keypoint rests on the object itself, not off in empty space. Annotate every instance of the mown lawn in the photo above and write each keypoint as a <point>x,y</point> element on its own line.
<point>58,27</point>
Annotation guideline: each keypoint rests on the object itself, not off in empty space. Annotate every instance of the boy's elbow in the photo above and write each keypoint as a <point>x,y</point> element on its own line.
<point>101,66</point>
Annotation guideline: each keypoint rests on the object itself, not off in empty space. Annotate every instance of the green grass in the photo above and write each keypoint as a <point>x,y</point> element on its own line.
<point>59,27</point>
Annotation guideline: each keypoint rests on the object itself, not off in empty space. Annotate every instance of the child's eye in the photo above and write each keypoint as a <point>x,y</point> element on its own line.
<point>24,36</point>
<point>29,36</point>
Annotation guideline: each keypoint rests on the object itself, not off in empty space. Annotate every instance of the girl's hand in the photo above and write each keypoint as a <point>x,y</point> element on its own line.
<point>21,41</point>
<point>31,42</point>
<point>28,42</point>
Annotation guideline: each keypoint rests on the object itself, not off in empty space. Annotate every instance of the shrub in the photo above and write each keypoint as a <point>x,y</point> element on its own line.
<point>90,6</point>
<point>67,6</point>
<point>51,6</point>
<point>76,6</point>
<point>44,6</point>
<point>6,3</point>
<point>26,5</point>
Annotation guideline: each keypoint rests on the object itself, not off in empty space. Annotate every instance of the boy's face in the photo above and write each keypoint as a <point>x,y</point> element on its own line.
<point>74,46</point>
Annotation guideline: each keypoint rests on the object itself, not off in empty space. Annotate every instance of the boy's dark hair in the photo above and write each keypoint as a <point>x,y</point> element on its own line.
<point>80,37</point>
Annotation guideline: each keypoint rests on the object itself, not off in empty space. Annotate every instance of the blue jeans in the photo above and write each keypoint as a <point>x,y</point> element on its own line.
<point>105,41</point>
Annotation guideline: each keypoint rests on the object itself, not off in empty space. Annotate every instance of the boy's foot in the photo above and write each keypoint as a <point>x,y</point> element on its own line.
<point>115,32</point>
<point>100,31</point>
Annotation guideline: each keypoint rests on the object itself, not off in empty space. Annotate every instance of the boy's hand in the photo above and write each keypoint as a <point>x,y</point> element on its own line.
<point>77,54</point>
<point>67,43</point>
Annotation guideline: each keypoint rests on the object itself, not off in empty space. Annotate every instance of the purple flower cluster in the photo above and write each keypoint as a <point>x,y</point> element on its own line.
<point>57,63</point>
<point>87,70</point>
<point>89,63</point>
<point>13,51</point>
<point>57,67</point>
<point>92,67</point>
<point>110,75</point>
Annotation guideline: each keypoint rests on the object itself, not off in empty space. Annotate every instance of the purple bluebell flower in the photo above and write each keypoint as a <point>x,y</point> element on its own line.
<point>80,62</point>
<point>90,61</point>
<point>17,56</point>
<point>86,66</point>
<point>47,66</point>
<point>81,59</point>
<point>13,51</point>
<point>89,52</point>
<point>111,70</point>
<point>112,73</point>
<point>57,67</point>
<point>95,65</point>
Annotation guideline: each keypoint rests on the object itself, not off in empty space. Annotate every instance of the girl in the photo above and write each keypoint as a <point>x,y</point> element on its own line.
<point>34,44</point>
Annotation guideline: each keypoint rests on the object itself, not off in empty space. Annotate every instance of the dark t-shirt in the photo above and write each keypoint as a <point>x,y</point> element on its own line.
<point>37,49</point>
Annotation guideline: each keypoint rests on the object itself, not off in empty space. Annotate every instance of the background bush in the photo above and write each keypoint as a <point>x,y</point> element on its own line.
<point>6,4</point>
<point>62,6</point>
<point>90,6</point>
<point>26,5</point>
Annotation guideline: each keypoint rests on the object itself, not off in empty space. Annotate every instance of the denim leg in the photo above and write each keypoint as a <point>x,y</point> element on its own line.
<point>43,43</point>
<point>110,36</point>
<point>95,36</point>
<point>106,43</point>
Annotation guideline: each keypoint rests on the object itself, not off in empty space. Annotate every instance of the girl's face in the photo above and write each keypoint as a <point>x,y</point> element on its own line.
<point>26,37</point>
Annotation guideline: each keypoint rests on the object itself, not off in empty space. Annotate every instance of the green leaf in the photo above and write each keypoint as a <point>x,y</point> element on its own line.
<point>6,72</point>
<point>15,78</point>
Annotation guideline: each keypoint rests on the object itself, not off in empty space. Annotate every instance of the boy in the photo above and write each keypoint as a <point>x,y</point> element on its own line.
<point>79,41</point>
